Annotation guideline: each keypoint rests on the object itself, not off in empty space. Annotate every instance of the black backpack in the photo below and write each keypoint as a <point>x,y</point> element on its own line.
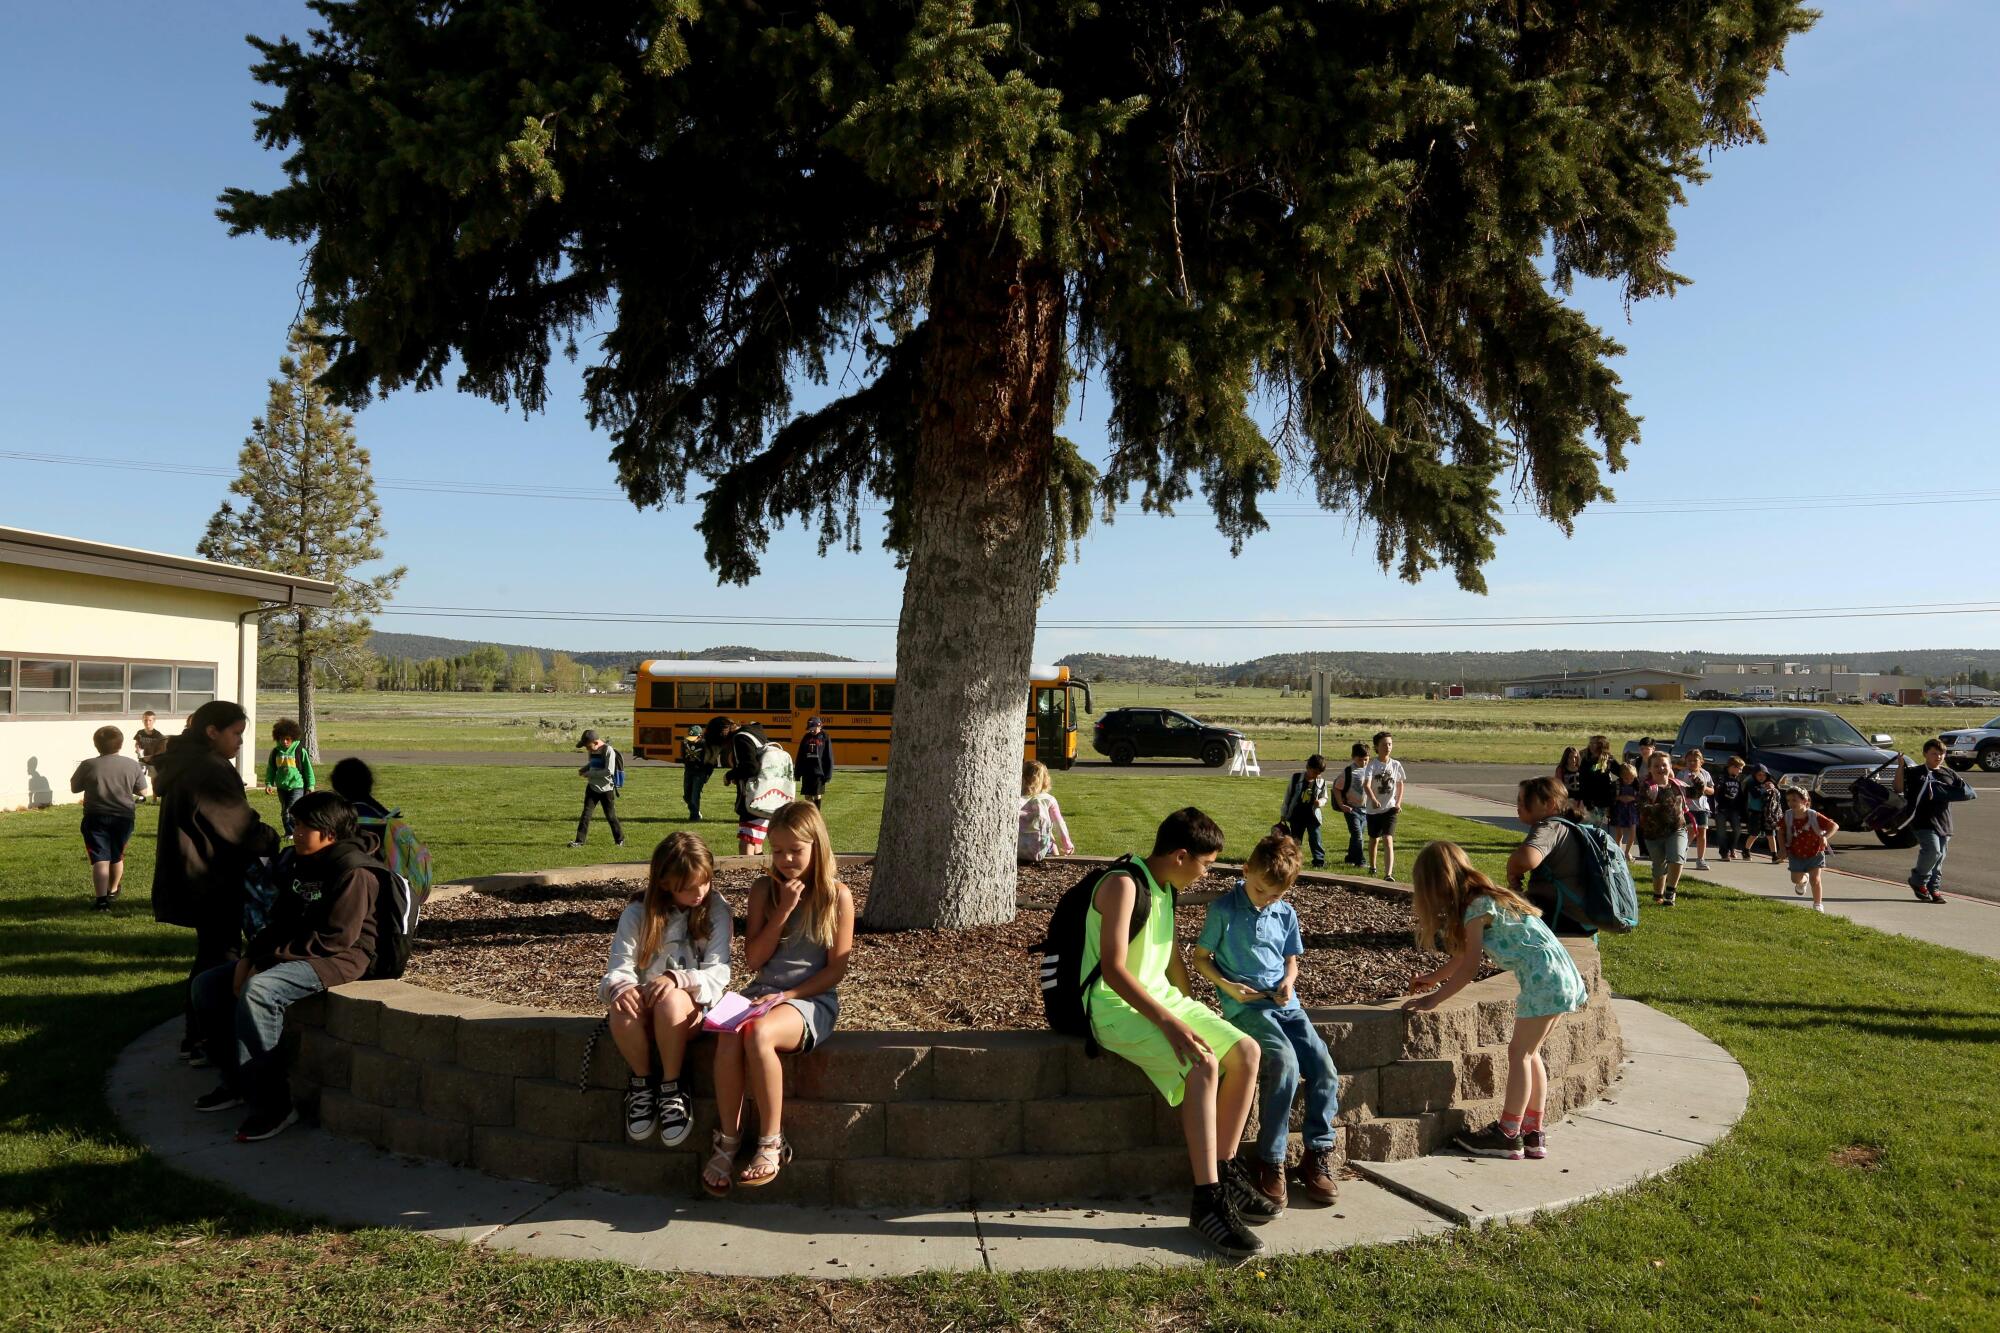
<point>395,925</point>
<point>1062,950</point>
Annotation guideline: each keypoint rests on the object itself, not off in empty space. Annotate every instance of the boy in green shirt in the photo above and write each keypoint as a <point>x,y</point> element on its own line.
<point>289,769</point>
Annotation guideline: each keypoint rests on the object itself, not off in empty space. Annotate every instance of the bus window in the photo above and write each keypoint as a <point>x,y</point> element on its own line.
<point>692,694</point>
<point>752,696</point>
<point>807,697</point>
<point>830,698</point>
<point>778,696</point>
<point>661,695</point>
<point>725,694</point>
<point>885,698</point>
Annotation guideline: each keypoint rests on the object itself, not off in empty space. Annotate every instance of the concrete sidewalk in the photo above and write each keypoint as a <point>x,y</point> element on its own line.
<point>1970,925</point>
<point>1677,1093</point>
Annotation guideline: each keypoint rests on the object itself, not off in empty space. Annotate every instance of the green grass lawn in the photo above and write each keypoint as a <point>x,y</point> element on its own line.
<point>1514,731</point>
<point>1850,1038</point>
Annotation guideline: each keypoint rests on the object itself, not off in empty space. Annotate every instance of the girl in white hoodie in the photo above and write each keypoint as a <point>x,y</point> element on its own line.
<point>669,963</point>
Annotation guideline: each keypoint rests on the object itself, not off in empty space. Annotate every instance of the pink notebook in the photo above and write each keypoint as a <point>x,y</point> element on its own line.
<point>733,1013</point>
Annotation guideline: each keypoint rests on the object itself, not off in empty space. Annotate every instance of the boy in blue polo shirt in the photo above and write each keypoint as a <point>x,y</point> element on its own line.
<point>1250,948</point>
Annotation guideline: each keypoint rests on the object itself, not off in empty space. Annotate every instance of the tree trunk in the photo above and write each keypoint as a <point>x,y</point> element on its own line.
<point>979,533</point>
<point>308,723</point>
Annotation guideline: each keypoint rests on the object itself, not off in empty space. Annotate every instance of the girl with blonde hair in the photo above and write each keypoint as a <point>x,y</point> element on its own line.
<point>1043,832</point>
<point>800,936</point>
<point>1469,916</point>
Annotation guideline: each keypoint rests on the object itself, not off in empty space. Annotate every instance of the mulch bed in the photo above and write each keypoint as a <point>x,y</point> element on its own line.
<point>547,947</point>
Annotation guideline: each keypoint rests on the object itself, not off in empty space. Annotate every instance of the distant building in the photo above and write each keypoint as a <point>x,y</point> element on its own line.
<point>92,634</point>
<point>1800,679</point>
<point>1617,683</point>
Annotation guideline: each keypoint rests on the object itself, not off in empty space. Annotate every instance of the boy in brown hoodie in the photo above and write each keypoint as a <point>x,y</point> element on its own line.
<point>321,933</point>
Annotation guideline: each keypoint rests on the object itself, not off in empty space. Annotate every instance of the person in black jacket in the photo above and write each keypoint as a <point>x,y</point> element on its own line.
<point>1597,783</point>
<point>815,761</point>
<point>209,842</point>
<point>695,772</point>
<point>1931,791</point>
<point>736,750</point>
<point>321,933</point>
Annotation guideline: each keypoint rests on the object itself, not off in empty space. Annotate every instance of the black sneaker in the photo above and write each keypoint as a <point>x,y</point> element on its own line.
<point>1937,897</point>
<point>1251,1203</point>
<point>641,1109</point>
<point>218,1099</point>
<point>267,1124</point>
<point>1490,1142</point>
<point>676,1116</point>
<point>1535,1144</point>
<point>101,905</point>
<point>189,1048</point>
<point>1211,1216</point>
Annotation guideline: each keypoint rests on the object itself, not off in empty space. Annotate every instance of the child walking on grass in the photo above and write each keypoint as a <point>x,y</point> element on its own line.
<point>288,769</point>
<point>800,935</point>
<point>1806,833</point>
<point>1472,916</point>
<point>669,963</point>
<point>1142,1008</point>
<point>1043,832</point>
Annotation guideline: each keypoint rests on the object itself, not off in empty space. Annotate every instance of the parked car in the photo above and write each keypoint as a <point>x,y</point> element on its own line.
<point>1125,734</point>
<point>1966,746</point>
<point>1808,748</point>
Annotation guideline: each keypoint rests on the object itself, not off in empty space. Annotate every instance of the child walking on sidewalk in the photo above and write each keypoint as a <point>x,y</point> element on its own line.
<point>1472,917</point>
<point>1806,833</point>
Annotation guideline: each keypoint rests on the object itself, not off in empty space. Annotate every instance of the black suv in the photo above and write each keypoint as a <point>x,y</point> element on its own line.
<point>1125,734</point>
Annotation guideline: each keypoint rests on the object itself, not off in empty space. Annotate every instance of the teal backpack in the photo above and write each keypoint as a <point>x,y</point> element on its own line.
<point>1607,899</point>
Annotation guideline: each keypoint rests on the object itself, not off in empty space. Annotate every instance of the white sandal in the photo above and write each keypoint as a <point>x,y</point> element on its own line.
<point>773,1153</point>
<point>721,1163</point>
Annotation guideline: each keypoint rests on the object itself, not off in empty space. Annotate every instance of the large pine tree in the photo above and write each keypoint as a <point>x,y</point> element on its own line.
<point>308,509</point>
<point>1362,216</point>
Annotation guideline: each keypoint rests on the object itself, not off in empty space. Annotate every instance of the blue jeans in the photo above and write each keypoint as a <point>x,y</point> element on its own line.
<point>242,1032</point>
<point>1930,859</point>
<point>1357,837</point>
<point>1293,1054</point>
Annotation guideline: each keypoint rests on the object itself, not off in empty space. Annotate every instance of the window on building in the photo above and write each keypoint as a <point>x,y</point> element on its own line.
<point>100,687</point>
<point>152,688</point>
<point>96,687</point>
<point>193,687</point>
<point>6,684</point>
<point>45,687</point>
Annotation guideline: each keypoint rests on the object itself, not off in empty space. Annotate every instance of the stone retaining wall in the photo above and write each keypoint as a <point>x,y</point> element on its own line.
<point>892,1118</point>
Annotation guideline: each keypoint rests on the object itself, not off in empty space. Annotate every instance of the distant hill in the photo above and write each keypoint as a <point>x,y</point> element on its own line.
<point>1486,669</point>
<point>419,647</point>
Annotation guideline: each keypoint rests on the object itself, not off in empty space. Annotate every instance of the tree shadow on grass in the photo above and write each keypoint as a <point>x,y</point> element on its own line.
<point>87,1202</point>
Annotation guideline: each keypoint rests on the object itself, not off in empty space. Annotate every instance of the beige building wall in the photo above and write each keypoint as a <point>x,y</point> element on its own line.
<point>59,614</point>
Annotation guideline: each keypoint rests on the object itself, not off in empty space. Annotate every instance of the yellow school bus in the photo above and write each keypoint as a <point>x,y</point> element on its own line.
<point>856,701</point>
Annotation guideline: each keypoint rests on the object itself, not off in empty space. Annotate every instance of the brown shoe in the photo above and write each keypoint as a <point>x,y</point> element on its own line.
<point>1316,1176</point>
<point>1271,1183</point>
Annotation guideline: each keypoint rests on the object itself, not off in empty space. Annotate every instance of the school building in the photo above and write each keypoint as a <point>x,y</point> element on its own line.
<point>1620,683</point>
<point>92,634</point>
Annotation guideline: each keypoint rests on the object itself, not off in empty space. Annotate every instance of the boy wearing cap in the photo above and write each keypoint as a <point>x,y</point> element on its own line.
<point>815,761</point>
<point>600,787</point>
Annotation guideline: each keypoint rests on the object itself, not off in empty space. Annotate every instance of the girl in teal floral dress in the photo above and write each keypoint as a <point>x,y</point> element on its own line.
<point>1473,916</point>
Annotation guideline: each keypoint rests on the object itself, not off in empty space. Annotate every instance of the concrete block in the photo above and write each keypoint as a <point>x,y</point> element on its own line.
<point>1362,1038</point>
<point>1578,1090</point>
<point>1386,1139</point>
<point>498,1042</point>
<point>564,1043</point>
<point>307,1013</point>
<point>417,1135</point>
<point>1105,1076</point>
<point>1440,1033</point>
<point>353,1017</point>
<point>1017,1179</point>
<point>1496,1022</point>
<point>1133,1172</point>
<point>423,1024</point>
<point>865,1067</point>
<point>1556,1047</point>
<point>386,1080</point>
<point>559,1111</point>
<point>1483,1073</point>
<point>1360,1095</point>
<point>344,1114</point>
<point>1437,1127</point>
<point>1088,1124</point>
<point>521,1156</point>
<point>639,1168</point>
<point>1001,1068</point>
<point>453,1093</point>
<point>324,1059</point>
<point>899,1182</point>
<point>1410,1087</point>
<point>836,1130</point>
<point>954,1129</point>
<point>805,1181</point>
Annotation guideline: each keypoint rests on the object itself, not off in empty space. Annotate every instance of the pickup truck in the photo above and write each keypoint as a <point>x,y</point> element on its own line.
<point>1809,748</point>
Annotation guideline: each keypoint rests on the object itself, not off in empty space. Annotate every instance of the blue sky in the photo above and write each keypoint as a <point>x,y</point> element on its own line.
<point>1838,341</point>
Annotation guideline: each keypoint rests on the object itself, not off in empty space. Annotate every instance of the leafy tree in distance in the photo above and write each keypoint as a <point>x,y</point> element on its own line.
<point>308,509</point>
<point>1365,217</point>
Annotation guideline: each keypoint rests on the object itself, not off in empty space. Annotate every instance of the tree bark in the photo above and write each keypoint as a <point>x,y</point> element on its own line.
<point>945,856</point>
<point>308,703</point>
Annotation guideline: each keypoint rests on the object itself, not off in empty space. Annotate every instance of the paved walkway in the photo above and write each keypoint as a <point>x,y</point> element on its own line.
<point>1678,1093</point>
<point>1971,925</point>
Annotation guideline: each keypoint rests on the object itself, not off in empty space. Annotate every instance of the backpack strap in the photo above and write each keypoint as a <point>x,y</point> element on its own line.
<point>1142,911</point>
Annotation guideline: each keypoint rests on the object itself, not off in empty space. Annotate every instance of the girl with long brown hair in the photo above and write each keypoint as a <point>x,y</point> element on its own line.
<point>800,936</point>
<point>1462,911</point>
<point>669,963</point>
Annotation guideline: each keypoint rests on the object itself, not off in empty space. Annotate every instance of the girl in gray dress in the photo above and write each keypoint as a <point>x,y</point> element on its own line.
<point>800,935</point>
